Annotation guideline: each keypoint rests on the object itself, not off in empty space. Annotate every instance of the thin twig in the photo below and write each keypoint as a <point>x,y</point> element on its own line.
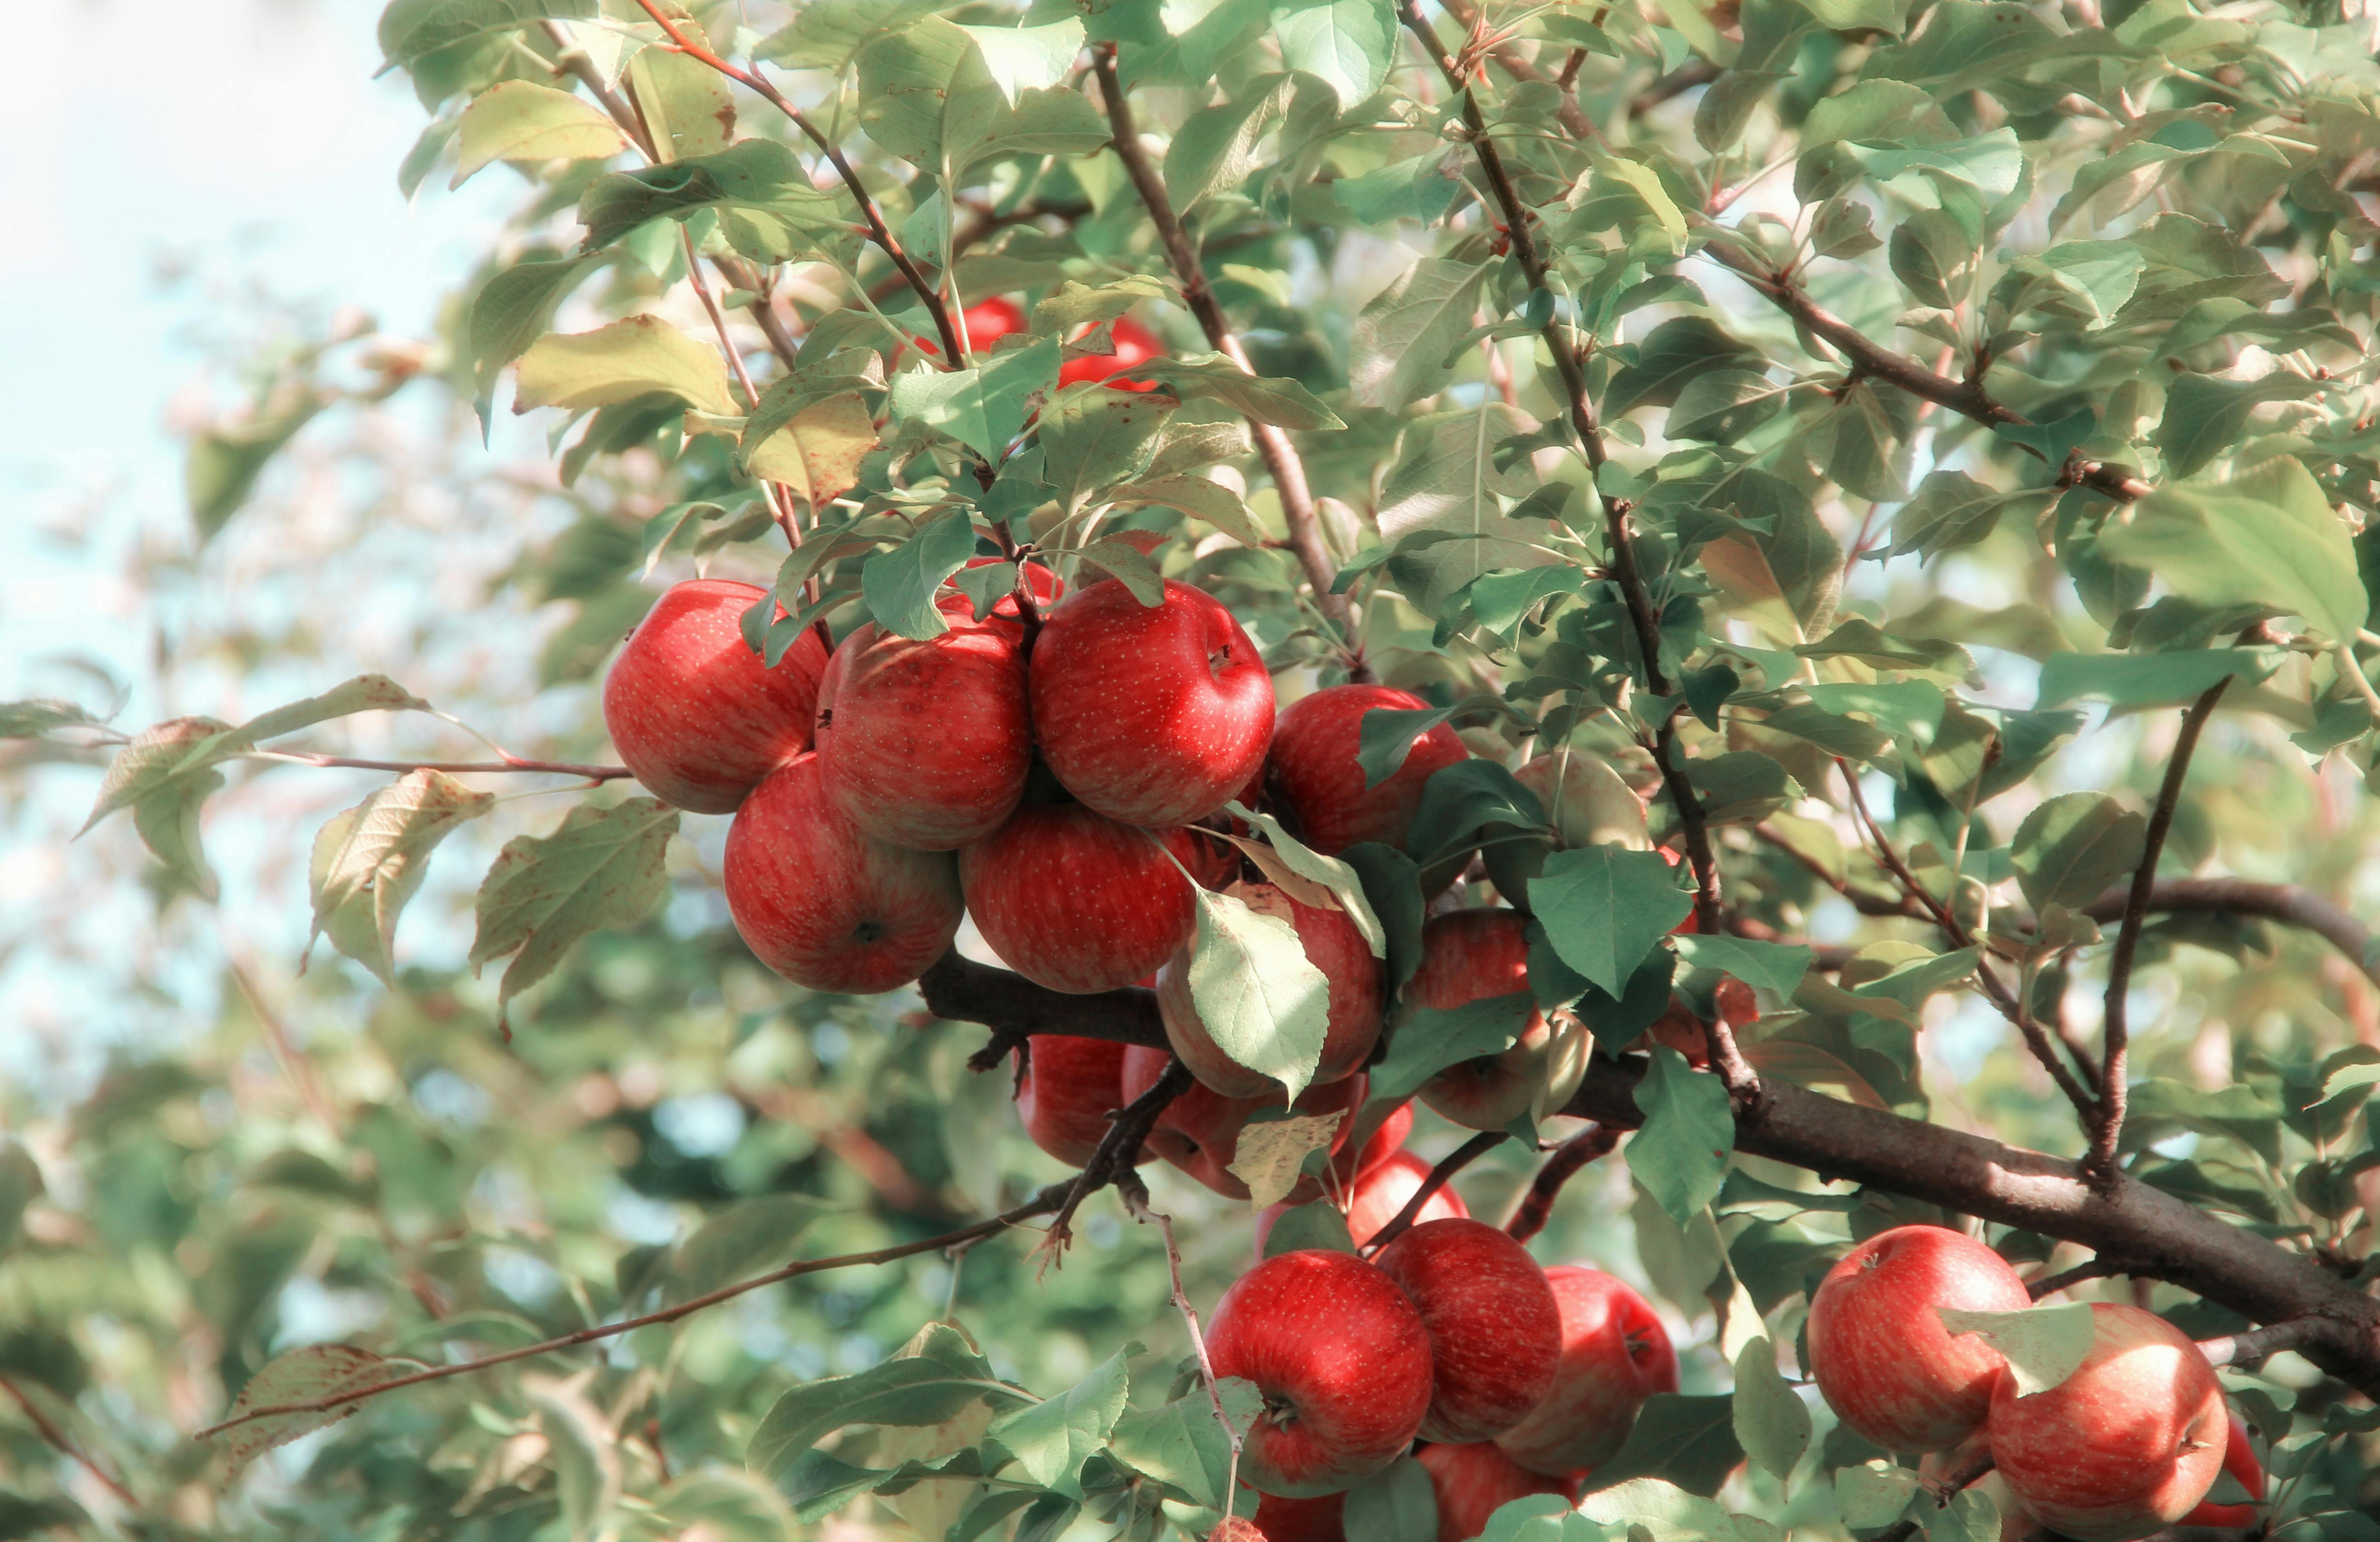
<point>1134,1195</point>
<point>573,60</point>
<point>1049,1199</point>
<point>1461,1157</point>
<point>2081,1274</point>
<point>878,231</point>
<point>47,1428</point>
<point>2117,1035</point>
<point>1119,1150</point>
<point>459,767</point>
<point>2253,1346</point>
<point>1273,446</point>
<point>1536,1206</point>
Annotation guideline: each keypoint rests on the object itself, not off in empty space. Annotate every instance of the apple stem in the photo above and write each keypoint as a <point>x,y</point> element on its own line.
<point>1537,1207</point>
<point>1134,1195</point>
<point>1461,1157</point>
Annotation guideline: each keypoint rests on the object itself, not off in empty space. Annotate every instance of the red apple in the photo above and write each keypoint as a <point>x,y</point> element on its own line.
<point>987,322</point>
<point>1200,1131</point>
<point>1494,1327</point>
<point>1378,1194</point>
<point>1882,1357</point>
<point>1343,1360</point>
<point>1314,1520</point>
<point>1134,343</point>
<point>926,743</point>
<point>2240,1461</point>
<point>1470,955</point>
<point>689,707</point>
<point>1237,1528</point>
<point>1070,1086</point>
<point>1386,1141</point>
<point>825,904</point>
<point>2127,1445</point>
<point>1076,902</point>
<point>1333,946</point>
<point>1312,772</point>
<point>1151,714</point>
<point>1472,1482</point>
<point>1615,1354</point>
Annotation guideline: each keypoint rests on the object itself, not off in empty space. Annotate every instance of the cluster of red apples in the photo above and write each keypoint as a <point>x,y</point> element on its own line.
<point>2127,1445</point>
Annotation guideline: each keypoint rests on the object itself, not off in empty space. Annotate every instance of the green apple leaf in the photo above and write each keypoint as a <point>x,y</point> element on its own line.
<point>602,867</point>
<point>637,356</point>
<point>516,120</point>
<point>1681,1154</point>
<point>305,1375</point>
<point>1772,1423</point>
<point>901,584</point>
<point>2043,1344</point>
<point>2072,846</point>
<point>1604,908</point>
<point>369,860</point>
<point>1261,999</point>
<point>1050,1439</point>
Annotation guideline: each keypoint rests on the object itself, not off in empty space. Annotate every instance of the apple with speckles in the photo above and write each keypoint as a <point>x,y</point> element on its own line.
<point>1470,955</point>
<point>1879,1353</point>
<point>1076,902</point>
<point>691,709</point>
<point>1474,1481</point>
<point>1153,715</point>
<point>1379,1192</point>
<point>1070,1086</point>
<point>1495,1329</point>
<point>1615,1354</point>
<point>825,904</point>
<point>1313,777</point>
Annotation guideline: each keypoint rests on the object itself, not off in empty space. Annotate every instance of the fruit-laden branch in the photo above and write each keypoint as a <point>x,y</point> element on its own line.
<point>1043,1203</point>
<point>1455,1161</point>
<point>1644,617</point>
<point>1536,1206</point>
<point>878,231</point>
<point>2155,1236</point>
<point>2117,1042</point>
<point>1273,446</point>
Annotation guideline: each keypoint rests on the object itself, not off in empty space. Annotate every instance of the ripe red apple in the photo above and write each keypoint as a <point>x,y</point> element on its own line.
<point>2127,1445</point>
<point>1151,714</point>
<point>1386,1140</point>
<point>825,904</point>
<point>2240,1461</point>
<point>1200,1131</point>
<point>1343,1360</point>
<point>1474,1481</point>
<point>689,707</point>
<point>987,322</point>
<point>1314,1520</point>
<point>1379,1192</point>
<point>926,743</point>
<point>1313,776</point>
<point>1333,946</point>
<point>1134,343</point>
<point>1494,1327</point>
<point>1469,956</point>
<point>1615,1354</point>
<point>1070,1086</point>
<point>1076,902</point>
<point>1882,1357</point>
<point>1586,804</point>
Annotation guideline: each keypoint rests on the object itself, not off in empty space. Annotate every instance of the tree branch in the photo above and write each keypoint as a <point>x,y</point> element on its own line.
<point>2252,1347</point>
<point>2285,902</point>
<point>48,1429</point>
<point>1134,1195</point>
<point>2081,1274</point>
<point>1536,1206</point>
<point>1119,1149</point>
<point>1460,1158</point>
<point>2116,1039</point>
<point>1280,456</point>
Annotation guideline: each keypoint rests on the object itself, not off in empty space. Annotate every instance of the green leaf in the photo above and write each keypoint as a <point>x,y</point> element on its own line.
<point>943,1377</point>
<point>601,867</point>
<point>1722,406</point>
<point>1426,1040</point>
<point>984,407</point>
<point>20,1184</point>
<point>2072,846</point>
<point>226,461</point>
<point>1259,398</point>
<point>1680,1156</point>
<point>1951,511</point>
<point>1321,1224</point>
<point>2150,679</point>
<point>1398,1505</point>
<point>2204,415</point>
<point>1687,1442</point>
<point>1671,354</point>
<point>1605,908</point>
<point>738,1241</point>
<point>411,28</point>
<point>1971,1516</point>
<point>1214,150</point>
<point>371,859</point>
<point>1405,340</point>
<point>1335,875</point>
<point>32,719</point>
<point>1446,482</point>
<point>1771,1422</point>
<point>767,207</point>
<point>900,585</point>
<point>1181,1444</point>
<point>2267,537</point>
<point>685,105</point>
<point>1262,999</point>
<point>631,357</point>
<point>1346,44</point>
<point>1861,638</point>
<point>1050,1439</point>
<point>305,1375</point>
<point>1093,438</point>
<point>2043,1344</point>
<point>817,452</point>
<point>515,120</point>
<point>1027,58</point>
<point>1198,498</point>
<point>1775,966</point>
<point>513,310</point>
<point>1386,736</point>
<point>1858,16</point>
<point>1874,1494</point>
<point>1128,565</point>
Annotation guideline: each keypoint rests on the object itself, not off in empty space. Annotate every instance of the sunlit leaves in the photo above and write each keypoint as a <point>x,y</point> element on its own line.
<point>2267,537</point>
<point>1272,1152</point>
<point>1051,1438</point>
<point>637,356</point>
<point>515,120</point>
<point>312,1375</point>
<point>944,1375</point>
<point>985,405</point>
<point>2043,1344</point>
<point>1260,997</point>
<point>2074,845</point>
<point>369,860</point>
<point>1406,337</point>
<point>602,867</point>
<point>411,30</point>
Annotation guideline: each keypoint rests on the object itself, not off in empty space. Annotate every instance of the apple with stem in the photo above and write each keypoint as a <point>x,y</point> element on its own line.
<point>1343,1360</point>
<point>2127,1445</point>
<point>1879,1353</point>
<point>825,904</point>
<point>1615,1354</point>
<point>1200,1131</point>
<point>1312,774</point>
<point>1153,715</point>
<point>1474,1481</point>
<point>1470,955</point>
<point>1073,901</point>
<point>691,709</point>
<point>2240,1461</point>
<point>1070,1086</point>
<point>1333,946</point>
<point>1495,1329</point>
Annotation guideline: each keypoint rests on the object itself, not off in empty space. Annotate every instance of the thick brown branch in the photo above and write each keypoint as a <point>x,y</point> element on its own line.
<point>1049,1199</point>
<point>2117,1038</point>
<point>1281,458</point>
<point>1537,1207</point>
<point>2252,1347</point>
<point>1456,1161</point>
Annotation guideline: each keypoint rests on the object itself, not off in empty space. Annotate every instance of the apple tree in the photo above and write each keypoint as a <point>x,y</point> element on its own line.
<point>1300,770</point>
